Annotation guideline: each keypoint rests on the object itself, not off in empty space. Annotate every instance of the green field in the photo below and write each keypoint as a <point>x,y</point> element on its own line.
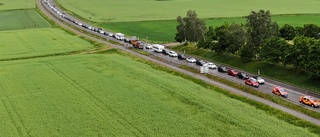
<point>140,10</point>
<point>22,19</point>
<point>17,4</point>
<point>38,42</point>
<point>164,31</point>
<point>113,95</point>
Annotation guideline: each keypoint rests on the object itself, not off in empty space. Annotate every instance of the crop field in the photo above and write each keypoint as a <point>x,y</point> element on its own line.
<point>164,30</point>
<point>157,22</point>
<point>16,4</point>
<point>37,42</point>
<point>141,10</point>
<point>22,19</point>
<point>113,95</point>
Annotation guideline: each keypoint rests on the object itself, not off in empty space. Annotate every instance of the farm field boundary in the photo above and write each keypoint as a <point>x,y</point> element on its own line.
<point>16,4</point>
<point>38,42</point>
<point>22,19</point>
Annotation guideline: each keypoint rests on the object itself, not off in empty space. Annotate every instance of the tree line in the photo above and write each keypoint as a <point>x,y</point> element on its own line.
<point>259,38</point>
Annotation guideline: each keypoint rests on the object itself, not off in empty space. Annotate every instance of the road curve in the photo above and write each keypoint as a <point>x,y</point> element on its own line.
<point>58,19</point>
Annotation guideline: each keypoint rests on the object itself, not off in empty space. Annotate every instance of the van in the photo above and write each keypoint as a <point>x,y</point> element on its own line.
<point>158,47</point>
<point>119,36</point>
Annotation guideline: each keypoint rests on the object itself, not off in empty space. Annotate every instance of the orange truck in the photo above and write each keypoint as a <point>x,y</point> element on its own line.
<point>137,43</point>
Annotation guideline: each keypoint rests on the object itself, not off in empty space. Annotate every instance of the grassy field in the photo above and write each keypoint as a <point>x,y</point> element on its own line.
<point>113,95</point>
<point>17,4</point>
<point>38,42</point>
<point>287,75</point>
<point>22,19</point>
<point>164,31</point>
<point>140,10</point>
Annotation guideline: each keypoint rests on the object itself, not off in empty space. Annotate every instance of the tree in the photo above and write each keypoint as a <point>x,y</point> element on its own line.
<point>274,50</point>
<point>300,52</point>
<point>237,35</point>
<point>313,65</point>
<point>190,28</point>
<point>230,38</point>
<point>209,41</point>
<point>287,32</point>
<point>311,30</point>
<point>260,27</point>
<point>246,53</point>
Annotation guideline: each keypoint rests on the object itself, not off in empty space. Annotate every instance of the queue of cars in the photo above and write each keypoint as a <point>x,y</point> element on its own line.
<point>254,81</point>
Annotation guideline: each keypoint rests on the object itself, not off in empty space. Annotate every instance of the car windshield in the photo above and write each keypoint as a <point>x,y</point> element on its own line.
<point>280,89</point>
<point>253,80</point>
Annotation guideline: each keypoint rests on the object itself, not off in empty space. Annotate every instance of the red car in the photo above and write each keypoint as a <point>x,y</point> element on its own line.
<point>279,91</point>
<point>308,100</point>
<point>232,72</point>
<point>252,82</point>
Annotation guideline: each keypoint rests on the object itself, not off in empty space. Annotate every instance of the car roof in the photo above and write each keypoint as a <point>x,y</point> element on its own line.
<point>278,87</point>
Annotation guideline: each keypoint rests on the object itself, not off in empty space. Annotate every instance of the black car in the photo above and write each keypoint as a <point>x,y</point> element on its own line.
<point>242,75</point>
<point>127,40</point>
<point>200,62</point>
<point>222,69</point>
<point>181,56</point>
<point>165,51</point>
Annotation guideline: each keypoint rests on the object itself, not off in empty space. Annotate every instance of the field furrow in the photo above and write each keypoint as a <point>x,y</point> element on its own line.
<point>32,20</point>
<point>97,101</point>
<point>24,43</point>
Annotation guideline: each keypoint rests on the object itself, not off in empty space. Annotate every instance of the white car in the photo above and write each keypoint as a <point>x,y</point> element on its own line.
<point>211,65</point>
<point>148,46</point>
<point>173,54</point>
<point>259,79</point>
<point>190,59</point>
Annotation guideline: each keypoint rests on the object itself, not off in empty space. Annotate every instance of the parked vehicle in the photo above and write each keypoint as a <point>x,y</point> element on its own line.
<point>200,62</point>
<point>308,100</point>
<point>242,75</point>
<point>137,43</point>
<point>252,82</point>
<point>165,51</point>
<point>279,91</point>
<point>148,46</point>
<point>127,40</point>
<point>173,54</point>
<point>232,72</point>
<point>191,59</point>
<point>119,36</point>
<point>181,56</point>
<point>211,65</point>
<point>259,79</point>
<point>222,69</point>
<point>100,31</point>
<point>157,47</point>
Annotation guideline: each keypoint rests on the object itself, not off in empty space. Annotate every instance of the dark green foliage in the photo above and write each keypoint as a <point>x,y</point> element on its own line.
<point>287,32</point>
<point>274,50</point>
<point>260,28</point>
<point>311,30</point>
<point>190,28</point>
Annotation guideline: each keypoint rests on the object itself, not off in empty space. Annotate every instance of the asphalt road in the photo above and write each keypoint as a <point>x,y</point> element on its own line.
<point>172,62</point>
